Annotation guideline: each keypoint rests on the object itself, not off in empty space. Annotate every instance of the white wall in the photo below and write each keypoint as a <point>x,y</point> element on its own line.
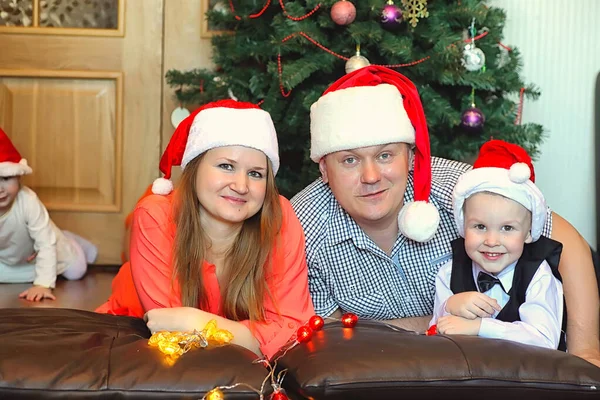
<point>560,46</point>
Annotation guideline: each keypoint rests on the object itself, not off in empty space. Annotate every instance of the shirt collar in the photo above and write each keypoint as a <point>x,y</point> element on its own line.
<point>343,227</point>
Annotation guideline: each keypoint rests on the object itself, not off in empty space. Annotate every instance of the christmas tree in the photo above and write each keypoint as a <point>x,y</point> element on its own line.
<point>284,54</point>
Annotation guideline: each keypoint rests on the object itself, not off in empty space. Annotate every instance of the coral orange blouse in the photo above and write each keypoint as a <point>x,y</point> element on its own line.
<point>146,282</point>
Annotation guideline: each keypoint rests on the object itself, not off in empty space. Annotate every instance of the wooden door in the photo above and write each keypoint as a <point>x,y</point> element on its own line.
<point>80,96</point>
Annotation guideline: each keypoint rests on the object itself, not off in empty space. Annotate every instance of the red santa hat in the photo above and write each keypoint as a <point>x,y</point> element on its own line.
<point>505,169</point>
<point>218,124</point>
<point>373,106</point>
<point>11,162</point>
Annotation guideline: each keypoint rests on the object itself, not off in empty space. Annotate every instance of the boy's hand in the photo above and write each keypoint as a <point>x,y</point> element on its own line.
<point>37,293</point>
<point>453,325</point>
<point>472,305</point>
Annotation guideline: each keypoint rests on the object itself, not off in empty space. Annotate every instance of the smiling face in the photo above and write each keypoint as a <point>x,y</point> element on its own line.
<point>496,229</point>
<point>9,188</point>
<point>369,182</point>
<point>231,183</point>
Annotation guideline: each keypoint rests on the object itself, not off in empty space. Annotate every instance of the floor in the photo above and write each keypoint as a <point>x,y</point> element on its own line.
<point>85,294</point>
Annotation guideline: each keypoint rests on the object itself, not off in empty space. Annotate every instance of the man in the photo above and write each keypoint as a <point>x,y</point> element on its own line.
<point>379,221</point>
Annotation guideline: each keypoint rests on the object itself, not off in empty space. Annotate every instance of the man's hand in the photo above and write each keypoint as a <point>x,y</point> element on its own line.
<point>37,293</point>
<point>472,305</point>
<point>453,325</point>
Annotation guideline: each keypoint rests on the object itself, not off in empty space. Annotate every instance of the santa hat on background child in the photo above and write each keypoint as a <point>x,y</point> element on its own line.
<point>374,106</point>
<point>505,169</point>
<point>11,162</point>
<point>218,124</point>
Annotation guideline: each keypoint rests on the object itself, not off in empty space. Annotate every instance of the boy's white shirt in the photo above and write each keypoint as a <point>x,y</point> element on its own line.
<point>26,229</point>
<point>541,313</point>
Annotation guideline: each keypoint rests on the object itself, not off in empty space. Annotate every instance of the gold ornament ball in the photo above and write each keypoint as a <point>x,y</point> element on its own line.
<point>356,62</point>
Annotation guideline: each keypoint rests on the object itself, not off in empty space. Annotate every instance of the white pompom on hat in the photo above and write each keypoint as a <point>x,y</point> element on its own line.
<point>373,106</point>
<point>217,124</point>
<point>11,162</point>
<point>505,169</point>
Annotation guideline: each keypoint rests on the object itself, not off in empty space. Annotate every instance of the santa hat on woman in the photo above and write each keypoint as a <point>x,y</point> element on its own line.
<point>374,106</point>
<point>218,124</point>
<point>11,162</point>
<point>505,169</point>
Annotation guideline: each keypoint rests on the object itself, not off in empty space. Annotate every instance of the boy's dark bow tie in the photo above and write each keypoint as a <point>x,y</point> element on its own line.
<point>485,282</point>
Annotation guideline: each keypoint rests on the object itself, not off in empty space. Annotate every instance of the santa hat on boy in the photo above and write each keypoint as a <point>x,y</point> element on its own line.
<point>11,162</point>
<point>373,106</point>
<point>505,169</point>
<point>218,124</point>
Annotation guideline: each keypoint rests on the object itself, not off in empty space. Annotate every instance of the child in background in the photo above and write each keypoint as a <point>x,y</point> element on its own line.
<point>32,248</point>
<point>503,280</point>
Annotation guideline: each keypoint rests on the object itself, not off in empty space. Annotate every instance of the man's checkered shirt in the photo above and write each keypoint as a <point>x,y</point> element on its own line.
<point>347,270</point>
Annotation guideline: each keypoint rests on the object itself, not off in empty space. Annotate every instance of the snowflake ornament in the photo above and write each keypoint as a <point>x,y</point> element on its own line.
<point>415,9</point>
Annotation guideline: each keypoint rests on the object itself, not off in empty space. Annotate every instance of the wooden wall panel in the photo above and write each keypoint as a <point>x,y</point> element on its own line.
<point>6,108</point>
<point>140,59</point>
<point>21,50</point>
<point>66,128</point>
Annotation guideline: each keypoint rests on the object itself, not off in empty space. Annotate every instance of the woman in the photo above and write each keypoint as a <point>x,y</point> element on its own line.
<point>224,245</point>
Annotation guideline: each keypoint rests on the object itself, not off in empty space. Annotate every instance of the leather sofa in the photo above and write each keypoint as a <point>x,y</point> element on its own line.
<point>63,353</point>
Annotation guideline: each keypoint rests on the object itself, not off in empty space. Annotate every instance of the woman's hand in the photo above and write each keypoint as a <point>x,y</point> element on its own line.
<point>184,319</point>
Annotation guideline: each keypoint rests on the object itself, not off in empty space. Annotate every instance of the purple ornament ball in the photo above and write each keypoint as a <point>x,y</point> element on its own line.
<point>391,16</point>
<point>472,118</point>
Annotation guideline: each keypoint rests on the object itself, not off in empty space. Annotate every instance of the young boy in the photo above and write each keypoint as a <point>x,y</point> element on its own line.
<point>503,279</point>
<point>32,248</point>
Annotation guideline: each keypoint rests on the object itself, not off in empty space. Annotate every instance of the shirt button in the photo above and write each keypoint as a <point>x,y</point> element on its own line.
<point>292,325</point>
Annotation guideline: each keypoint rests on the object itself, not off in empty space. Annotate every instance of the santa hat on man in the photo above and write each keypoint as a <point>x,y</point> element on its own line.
<point>11,162</point>
<point>505,169</point>
<point>218,124</point>
<point>374,106</point>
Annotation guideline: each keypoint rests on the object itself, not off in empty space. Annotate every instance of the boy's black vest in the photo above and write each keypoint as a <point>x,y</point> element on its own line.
<point>533,255</point>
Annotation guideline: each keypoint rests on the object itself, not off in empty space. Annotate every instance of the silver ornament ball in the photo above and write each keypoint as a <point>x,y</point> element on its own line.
<point>473,58</point>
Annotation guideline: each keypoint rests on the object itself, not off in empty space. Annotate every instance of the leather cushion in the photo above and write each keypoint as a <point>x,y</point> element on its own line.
<point>51,353</point>
<point>374,360</point>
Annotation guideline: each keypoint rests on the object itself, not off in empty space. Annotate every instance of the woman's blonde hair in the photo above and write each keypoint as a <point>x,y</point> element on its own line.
<point>244,287</point>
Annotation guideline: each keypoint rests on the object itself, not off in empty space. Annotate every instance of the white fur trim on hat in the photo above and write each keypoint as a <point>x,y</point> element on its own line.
<point>8,168</point>
<point>162,186</point>
<point>507,183</point>
<point>419,221</point>
<point>357,117</point>
<point>219,126</point>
